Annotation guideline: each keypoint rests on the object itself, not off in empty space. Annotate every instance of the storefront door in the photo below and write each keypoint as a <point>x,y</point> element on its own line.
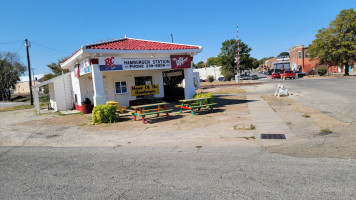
<point>143,80</point>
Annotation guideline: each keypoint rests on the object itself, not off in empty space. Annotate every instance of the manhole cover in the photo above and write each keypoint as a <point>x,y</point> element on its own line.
<point>273,136</point>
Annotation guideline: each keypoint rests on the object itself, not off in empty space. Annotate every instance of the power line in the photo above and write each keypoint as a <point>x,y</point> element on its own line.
<point>50,48</point>
<point>20,47</point>
<point>11,42</point>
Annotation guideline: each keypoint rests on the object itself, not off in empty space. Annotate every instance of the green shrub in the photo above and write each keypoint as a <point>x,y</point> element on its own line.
<point>211,78</point>
<point>228,76</point>
<point>321,70</point>
<point>104,114</point>
<point>205,95</point>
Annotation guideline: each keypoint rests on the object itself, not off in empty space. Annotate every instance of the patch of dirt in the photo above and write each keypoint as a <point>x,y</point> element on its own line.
<point>56,121</point>
<point>230,109</point>
<point>321,119</point>
<point>340,143</point>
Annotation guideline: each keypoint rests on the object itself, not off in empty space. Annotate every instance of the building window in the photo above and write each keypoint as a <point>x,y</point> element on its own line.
<point>299,55</point>
<point>120,87</point>
<point>306,54</point>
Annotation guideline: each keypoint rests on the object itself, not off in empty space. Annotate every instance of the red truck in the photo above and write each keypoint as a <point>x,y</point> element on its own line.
<point>288,74</point>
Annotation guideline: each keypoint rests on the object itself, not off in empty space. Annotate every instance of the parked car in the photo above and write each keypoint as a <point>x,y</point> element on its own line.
<point>245,77</point>
<point>221,78</point>
<point>276,75</point>
<point>288,74</point>
<point>269,72</point>
<point>300,74</point>
<point>202,80</point>
<point>253,77</point>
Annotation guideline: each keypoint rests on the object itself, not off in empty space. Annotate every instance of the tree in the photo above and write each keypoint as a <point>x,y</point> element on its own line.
<point>57,69</point>
<point>212,61</point>
<point>254,62</point>
<point>284,53</point>
<point>200,64</point>
<point>263,60</point>
<point>45,78</point>
<point>228,54</point>
<point>10,72</point>
<point>336,44</point>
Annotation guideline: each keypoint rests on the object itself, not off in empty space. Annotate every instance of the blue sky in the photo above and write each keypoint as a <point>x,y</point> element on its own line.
<point>58,28</point>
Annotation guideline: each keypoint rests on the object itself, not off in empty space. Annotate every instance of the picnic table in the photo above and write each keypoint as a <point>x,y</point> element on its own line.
<point>198,103</point>
<point>118,107</point>
<point>150,109</point>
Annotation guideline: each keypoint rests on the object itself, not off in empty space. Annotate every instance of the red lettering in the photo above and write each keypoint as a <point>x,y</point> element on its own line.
<point>110,62</point>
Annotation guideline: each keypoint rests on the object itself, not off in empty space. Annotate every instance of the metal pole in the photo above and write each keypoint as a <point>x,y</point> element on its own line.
<point>29,70</point>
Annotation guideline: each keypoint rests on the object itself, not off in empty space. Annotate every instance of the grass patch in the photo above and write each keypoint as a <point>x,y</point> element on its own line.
<point>59,113</point>
<point>325,131</point>
<point>13,108</point>
<point>251,127</point>
<point>107,125</point>
<point>198,147</point>
<point>44,99</point>
<point>305,115</point>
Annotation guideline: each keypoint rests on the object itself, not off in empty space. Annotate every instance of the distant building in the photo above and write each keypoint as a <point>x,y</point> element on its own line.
<point>214,71</point>
<point>22,87</point>
<point>281,64</point>
<point>268,64</point>
<point>299,59</point>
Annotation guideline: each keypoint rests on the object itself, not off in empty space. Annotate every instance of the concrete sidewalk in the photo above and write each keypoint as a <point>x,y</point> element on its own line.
<point>267,121</point>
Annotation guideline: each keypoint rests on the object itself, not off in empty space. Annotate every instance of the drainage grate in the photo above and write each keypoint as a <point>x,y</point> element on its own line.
<point>273,136</point>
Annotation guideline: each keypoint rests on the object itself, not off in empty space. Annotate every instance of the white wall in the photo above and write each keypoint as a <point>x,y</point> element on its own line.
<point>63,93</point>
<point>205,72</point>
<point>52,98</point>
<point>109,79</point>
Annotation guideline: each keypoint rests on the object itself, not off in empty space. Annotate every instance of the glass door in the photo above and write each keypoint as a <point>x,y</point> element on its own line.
<point>143,80</point>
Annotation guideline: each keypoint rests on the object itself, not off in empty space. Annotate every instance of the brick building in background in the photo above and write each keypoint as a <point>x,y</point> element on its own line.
<point>268,64</point>
<point>300,61</point>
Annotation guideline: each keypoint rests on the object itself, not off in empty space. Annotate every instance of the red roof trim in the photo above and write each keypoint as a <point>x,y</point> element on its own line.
<point>135,44</point>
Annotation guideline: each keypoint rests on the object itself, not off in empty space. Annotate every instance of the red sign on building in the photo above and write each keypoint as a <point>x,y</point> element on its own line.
<point>181,61</point>
<point>76,71</point>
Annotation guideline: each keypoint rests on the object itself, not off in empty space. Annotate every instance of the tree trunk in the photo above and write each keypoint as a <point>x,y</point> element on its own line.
<point>346,70</point>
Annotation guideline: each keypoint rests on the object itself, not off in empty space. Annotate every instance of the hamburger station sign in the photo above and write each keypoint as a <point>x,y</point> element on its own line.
<point>120,64</point>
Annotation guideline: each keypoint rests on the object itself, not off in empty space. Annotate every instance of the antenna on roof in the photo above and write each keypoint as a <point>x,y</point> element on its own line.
<point>172,37</point>
<point>125,36</point>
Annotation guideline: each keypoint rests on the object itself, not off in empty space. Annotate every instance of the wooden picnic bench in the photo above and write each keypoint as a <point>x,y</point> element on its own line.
<point>118,107</point>
<point>198,103</point>
<point>150,109</point>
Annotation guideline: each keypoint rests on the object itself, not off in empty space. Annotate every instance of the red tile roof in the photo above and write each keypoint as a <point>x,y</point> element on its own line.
<point>135,44</point>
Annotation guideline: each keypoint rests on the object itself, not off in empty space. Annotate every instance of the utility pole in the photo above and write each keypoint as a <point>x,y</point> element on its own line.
<point>171,38</point>
<point>29,70</point>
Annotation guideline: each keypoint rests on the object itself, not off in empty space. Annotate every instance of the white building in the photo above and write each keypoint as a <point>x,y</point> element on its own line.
<point>123,70</point>
<point>214,71</point>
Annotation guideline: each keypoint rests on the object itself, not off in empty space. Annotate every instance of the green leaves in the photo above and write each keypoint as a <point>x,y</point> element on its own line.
<point>228,54</point>
<point>10,72</point>
<point>336,44</point>
<point>104,114</point>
